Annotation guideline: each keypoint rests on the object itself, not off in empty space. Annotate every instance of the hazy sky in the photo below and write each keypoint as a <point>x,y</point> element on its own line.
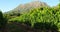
<point>6,5</point>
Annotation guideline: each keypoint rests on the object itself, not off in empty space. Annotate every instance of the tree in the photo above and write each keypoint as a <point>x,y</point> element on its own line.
<point>3,22</point>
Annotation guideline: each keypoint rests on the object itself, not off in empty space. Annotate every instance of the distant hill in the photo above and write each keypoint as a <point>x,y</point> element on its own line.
<point>23,8</point>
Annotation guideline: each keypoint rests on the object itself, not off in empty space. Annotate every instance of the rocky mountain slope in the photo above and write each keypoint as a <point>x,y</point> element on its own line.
<point>23,8</point>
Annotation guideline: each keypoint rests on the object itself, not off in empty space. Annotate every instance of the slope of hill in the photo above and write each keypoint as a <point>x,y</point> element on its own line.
<point>23,8</point>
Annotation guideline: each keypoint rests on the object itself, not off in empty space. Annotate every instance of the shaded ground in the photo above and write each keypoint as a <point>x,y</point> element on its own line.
<point>20,27</point>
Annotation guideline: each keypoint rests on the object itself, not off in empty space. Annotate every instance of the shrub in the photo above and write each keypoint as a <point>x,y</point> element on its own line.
<point>44,17</point>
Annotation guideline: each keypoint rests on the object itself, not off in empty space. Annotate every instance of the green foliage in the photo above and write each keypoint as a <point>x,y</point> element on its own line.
<point>1,18</point>
<point>44,15</point>
<point>3,22</point>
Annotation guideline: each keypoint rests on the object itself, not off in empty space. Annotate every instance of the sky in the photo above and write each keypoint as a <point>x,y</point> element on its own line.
<point>7,5</point>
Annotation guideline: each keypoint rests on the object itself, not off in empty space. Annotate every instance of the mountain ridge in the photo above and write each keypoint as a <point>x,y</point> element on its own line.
<point>22,8</point>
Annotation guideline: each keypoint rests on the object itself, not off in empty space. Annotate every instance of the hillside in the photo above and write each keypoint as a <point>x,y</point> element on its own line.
<point>40,20</point>
<point>23,8</point>
<point>31,17</point>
